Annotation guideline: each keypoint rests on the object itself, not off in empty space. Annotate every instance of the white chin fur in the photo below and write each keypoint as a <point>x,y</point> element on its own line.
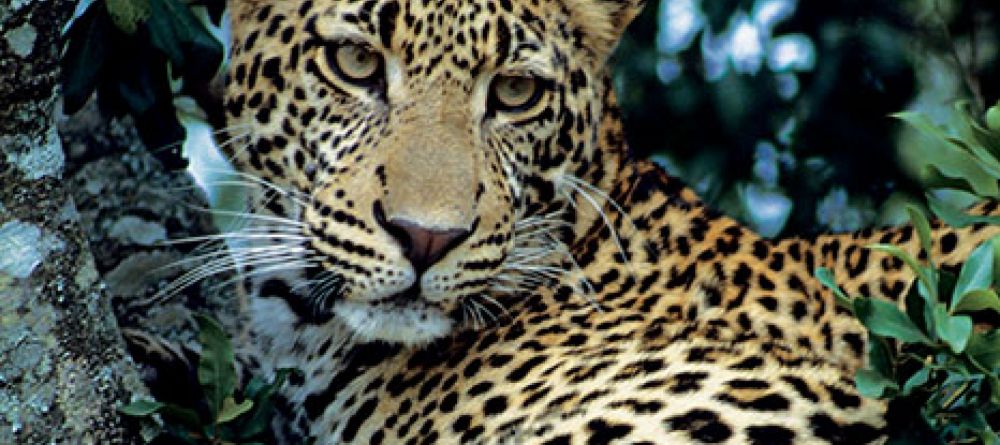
<point>411,326</point>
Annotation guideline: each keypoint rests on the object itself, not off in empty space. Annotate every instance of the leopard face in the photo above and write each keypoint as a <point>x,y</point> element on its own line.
<point>425,151</point>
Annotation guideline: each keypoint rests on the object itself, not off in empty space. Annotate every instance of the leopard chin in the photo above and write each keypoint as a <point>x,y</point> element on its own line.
<point>410,323</point>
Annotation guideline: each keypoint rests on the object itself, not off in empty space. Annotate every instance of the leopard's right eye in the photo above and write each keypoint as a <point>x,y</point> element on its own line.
<point>355,63</point>
<point>514,93</point>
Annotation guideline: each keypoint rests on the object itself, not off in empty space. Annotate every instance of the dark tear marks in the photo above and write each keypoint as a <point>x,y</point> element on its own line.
<point>387,22</point>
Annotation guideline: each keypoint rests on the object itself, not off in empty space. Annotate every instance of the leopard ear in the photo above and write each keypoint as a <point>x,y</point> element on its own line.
<point>602,22</point>
<point>242,11</point>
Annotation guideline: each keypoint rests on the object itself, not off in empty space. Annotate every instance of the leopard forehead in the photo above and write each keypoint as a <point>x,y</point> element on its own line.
<point>439,57</point>
<point>473,32</point>
<point>456,40</point>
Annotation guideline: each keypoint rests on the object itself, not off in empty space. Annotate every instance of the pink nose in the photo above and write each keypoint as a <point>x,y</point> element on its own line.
<point>421,245</point>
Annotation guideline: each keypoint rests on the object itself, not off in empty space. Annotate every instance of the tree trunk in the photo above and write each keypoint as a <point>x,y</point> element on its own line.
<point>63,369</point>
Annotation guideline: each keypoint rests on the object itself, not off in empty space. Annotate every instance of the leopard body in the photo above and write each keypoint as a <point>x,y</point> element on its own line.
<point>589,298</point>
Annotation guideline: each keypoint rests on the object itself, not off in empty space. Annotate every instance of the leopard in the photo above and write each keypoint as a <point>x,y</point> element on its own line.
<point>451,241</point>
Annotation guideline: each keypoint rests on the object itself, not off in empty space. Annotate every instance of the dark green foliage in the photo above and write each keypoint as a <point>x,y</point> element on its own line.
<point>837,158</point>
<point>228,414</point>
<point>126,63</point>
<point>929,360</point>
<point>966,159</point>
<point>87,48</point>
<point>941,374</point>
<point>216,370</point>
<point>968,152</point>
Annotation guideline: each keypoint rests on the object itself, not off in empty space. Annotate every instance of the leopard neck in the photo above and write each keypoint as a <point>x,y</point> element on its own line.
<point>614,181</point>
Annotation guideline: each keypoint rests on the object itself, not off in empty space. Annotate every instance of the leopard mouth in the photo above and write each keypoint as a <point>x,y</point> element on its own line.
<point>408,297</point>
<point>403,317</point>
<point>405,298</point>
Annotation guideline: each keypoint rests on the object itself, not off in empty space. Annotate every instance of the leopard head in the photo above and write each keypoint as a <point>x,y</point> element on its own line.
<point>422,150</point>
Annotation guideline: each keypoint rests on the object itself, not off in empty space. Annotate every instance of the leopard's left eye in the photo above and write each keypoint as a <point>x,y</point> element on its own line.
<point>514,93</point>
<point>355,63</point>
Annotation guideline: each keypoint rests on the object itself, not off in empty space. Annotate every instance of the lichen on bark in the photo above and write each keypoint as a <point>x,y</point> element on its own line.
<point>63,369</point>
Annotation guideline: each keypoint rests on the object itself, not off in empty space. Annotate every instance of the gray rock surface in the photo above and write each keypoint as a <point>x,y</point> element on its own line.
<point>136,215</point>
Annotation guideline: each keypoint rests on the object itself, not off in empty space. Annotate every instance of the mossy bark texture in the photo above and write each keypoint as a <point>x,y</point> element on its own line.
<point>63,369</point>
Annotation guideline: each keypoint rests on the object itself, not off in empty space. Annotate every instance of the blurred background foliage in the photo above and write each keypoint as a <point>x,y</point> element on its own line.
<point>775,111</point>
<point>778,111</point>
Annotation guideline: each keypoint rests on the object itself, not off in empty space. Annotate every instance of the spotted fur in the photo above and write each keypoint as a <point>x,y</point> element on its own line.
<point>591,299</point>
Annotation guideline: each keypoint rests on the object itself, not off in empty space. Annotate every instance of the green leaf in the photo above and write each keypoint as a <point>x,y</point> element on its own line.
<point>871,384</point>
<point>825,276</point>
<point>986,160</point>
<point>169,25</point>
<point>995,242</point>
<point>956,164</point>
<point>216,371</point>
<point>177,32</point>
<point>988,136</point>
<point>917,380</point>
<point>956,217</point>
<point>922,123</point>
<point>946,285</point>
<point>937,178</point>
<point>989,437</point>
<point>260,417</point>
<point>141,408</point>
<point>128,14</point>
<point>885,319</point>
<point>231,410</point>
<point>993,118</point>
<point>977,300</point>
<point>946,281</point>
<point>976,274</point>
<point>184,417</point>
<point>87,50</point>
<point>254,387</point>
<point>138,88</point>
<point>954,330</point>
<point>961,144</point>
<point>923,274</point>
<point>178,433</point>
<point>994,384</point>
<point>881,357</point>
<point>973,421</point>
<point>984,350</point>
<point>972,133</point>
<point>916,310</point>
<point>922,227</point>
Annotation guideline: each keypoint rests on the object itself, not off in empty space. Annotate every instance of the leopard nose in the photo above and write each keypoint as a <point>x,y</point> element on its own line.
<point>424,246</point>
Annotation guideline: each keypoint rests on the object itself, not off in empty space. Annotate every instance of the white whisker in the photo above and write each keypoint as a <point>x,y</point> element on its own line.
<point>604,217</point>
<point>235,235</point>
<point>264,268</point>
<point>236,254</point>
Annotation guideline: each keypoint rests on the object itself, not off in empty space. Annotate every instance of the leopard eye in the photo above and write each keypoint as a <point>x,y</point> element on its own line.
<point>514,93</point>
<point>355,63</point>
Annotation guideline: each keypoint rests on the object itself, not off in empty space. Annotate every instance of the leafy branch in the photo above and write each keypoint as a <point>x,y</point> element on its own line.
<point>232,416</point>
<point>131,53</point>
<point>928,355</point>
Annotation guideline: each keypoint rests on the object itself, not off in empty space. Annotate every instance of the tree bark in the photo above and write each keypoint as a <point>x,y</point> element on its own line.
<point>63,367</point>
